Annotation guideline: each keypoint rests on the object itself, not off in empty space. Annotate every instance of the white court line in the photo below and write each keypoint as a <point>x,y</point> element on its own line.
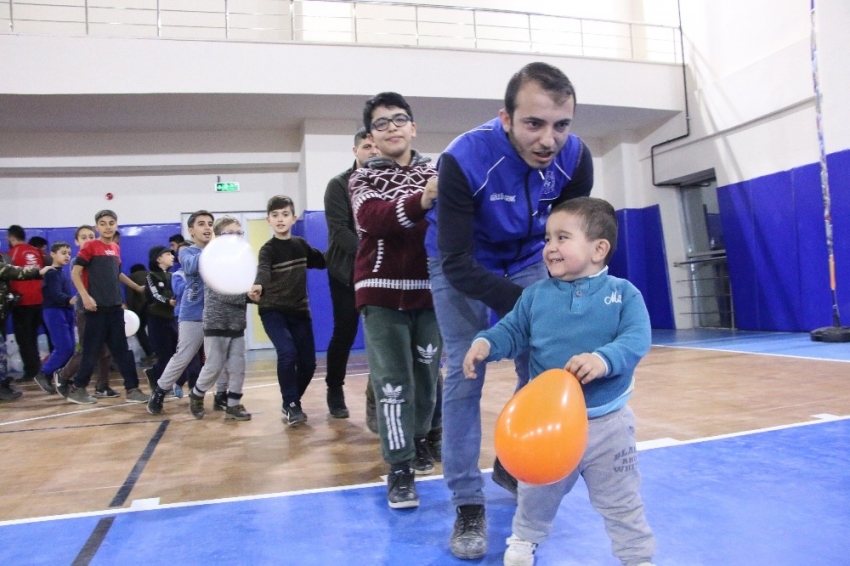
<point>753,353</point>
<point>135,509</point>
<point>92,410</point>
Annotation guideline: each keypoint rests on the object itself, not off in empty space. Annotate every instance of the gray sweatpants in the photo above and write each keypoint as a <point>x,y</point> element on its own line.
<point>223,353</point>
<point>190,337</point>
<point>609,468</point>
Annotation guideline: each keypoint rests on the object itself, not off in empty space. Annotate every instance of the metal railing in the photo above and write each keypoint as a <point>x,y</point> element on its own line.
<point>710,295</point>
<point>366,22</point>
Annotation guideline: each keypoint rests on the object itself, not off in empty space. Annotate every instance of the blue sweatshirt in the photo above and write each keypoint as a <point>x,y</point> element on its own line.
<point>557,319</point>
<point>57,290</point>
<point>192,302</point>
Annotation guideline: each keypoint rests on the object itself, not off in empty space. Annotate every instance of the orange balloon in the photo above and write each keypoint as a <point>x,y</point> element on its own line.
<point>541,433</point>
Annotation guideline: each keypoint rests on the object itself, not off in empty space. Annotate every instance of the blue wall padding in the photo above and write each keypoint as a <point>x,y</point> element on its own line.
<point>776,246</point>
<point>312,227</point>
<point>642,259</point>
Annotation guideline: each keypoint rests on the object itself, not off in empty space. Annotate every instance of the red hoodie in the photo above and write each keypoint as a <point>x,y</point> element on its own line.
<point>24,255</point>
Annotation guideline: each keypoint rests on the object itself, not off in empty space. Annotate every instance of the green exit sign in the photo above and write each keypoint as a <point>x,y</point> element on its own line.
<point>227,187</point>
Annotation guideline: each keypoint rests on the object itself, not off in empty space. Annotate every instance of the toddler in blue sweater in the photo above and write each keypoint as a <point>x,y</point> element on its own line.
<point>597,327</point>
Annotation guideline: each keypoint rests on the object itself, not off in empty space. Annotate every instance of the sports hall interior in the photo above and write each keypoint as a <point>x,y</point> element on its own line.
<point>707,134</point>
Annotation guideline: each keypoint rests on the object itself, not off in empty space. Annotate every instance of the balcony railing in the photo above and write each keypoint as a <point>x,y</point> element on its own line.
<point>367,22</point>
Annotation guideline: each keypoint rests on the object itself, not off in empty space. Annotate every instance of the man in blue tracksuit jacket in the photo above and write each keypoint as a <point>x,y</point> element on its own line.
<point>497,184</point>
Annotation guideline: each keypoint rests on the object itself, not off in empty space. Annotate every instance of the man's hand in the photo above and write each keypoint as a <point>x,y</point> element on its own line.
<point>45,269</point>
<point>586,367</point>
<point>89,303</point>
<point>478,352</point>
<point>429,195</point>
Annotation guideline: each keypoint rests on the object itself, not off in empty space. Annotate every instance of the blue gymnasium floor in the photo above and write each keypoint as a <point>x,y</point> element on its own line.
<point>775,497</point>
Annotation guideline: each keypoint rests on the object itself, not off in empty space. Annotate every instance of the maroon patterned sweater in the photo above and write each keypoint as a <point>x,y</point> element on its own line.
<point>391,267</point>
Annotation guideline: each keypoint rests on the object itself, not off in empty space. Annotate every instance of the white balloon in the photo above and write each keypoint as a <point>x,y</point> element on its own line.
<point>131,322</point>
<point>228,265</point>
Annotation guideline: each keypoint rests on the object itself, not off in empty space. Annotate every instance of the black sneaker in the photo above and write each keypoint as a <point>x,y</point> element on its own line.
<point>44,384</point>
<point>63,386</point>
<point>237,412</point>
<point>9,394</point>
<point>401,489</point>
<point>155,401</point>
<point>336,403</point>
<point>105,392</point>
<point>469,537</point>
<point>435,443</point>
<point>503,478</point>
<point>220,401</point>
<point>293,414</point>
<point>423,463</point>
<point>196,404</point>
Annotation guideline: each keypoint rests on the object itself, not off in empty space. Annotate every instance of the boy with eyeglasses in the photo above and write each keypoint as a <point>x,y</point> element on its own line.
<point>390,197</point>
<point>280,290</point>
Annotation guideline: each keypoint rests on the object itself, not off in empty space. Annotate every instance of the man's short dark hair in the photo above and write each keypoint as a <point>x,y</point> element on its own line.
<point>136,267</point>
<point>387,100</point>
<point>176,238</point>
<point>279,202</point>
<point>17,232</point>
<point>58,246</point>
<point>551,79</point>
<point>194,215</point>
<point>105,212</point>
<point>360,135</point>
<point>38,242</point>
<point>598,219</point>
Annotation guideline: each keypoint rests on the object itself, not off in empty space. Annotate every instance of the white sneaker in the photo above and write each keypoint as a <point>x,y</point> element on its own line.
<point>519,552</point>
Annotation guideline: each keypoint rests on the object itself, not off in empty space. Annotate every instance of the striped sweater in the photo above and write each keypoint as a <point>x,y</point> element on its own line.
<point>282,271</point>
<point>391,267</point>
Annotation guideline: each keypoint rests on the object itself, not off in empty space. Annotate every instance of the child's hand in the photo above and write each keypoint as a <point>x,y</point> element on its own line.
<point>45,269</point>
<point>89,303</point>
<point>255,292</point>
<point>429,195</point>
<point>73,300</point>
<point>477,353</point>
<point>586,367</point>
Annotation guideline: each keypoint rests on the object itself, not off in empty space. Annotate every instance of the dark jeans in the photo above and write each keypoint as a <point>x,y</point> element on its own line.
<point>346,318</point>
<point>296,352</point>
<point>103,363</point>
<point>163,339</point>
<point>106,326</point>
<point>25,323</point>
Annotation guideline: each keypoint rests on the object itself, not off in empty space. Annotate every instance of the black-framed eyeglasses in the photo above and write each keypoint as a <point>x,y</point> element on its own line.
<point>399,120</point>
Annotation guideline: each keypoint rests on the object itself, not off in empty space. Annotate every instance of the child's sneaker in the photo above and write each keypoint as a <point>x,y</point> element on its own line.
<point>220,401</point>
<point>178,391</point>
<point>44,384</point>
<point>105,392</point>
<point>293,414</point>
<point>401,489</point>
<point>136,396</point>
<point>519,552</point>
<point>155,401</point>
<point>80,396</point>
<point>196,404</point>
<point>423,462</point>
<point>237,413</point>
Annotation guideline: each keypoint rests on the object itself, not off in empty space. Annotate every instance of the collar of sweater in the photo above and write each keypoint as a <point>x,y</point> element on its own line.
<point>380,162</point>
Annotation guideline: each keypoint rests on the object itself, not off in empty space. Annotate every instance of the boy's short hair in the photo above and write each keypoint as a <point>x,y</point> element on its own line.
<point>17,232</point>
<point>598,219</point>
<point>223,223</point>
<point>105,212</point>
<point>37,242</point>
<point>136,267</point>
<point>388,100</point>
<point>194,215</point>
<point>360,135</point>
<point>279,202</point>
<point>81,228</point>
<point>176,238</point>
<point>59,245</point>
<point>184,244</point>
<point>551,79</point>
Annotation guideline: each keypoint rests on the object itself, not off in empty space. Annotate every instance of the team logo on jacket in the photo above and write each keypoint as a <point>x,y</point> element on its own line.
<point>426,354</point>
<point>502,196</point>
<point>549,182</point>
